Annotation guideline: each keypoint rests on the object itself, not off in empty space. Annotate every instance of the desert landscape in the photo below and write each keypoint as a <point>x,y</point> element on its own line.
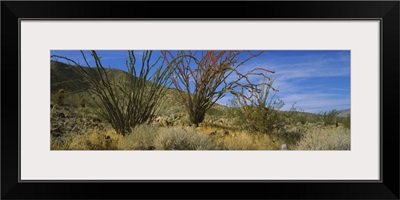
<point>172,100</point>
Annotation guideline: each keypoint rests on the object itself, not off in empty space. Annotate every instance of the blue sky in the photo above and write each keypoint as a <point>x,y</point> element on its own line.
<point>316,80</point>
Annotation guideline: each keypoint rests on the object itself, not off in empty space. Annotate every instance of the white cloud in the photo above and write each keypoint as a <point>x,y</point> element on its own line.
<point>316,102</point>
<point>309,70</point>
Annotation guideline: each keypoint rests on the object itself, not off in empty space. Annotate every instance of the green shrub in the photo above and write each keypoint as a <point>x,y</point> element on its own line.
<point>217,110</point>
<point>182,139</point>
<point>329,117</point>
<point>297,115</point>
<point>291,116</point>
<point>302,118</point>
<point>260,113</point>
<point>83,102</point>
<point>293,136</point>
<point>267,120</point>
<point>59,143</point>
<point>346,121</point>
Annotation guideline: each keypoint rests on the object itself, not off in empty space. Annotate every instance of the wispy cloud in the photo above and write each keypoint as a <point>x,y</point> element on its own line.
<point>316,102</point>
<point>314,80</point>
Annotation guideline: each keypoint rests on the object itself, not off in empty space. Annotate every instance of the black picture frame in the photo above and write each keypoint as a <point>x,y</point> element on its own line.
<point>386,11</point>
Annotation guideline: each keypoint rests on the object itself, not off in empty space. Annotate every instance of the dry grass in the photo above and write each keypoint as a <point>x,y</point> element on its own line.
<point>80,129</point>
<point>240,140</point>
<point>173,138</point>
<point>330,138</point>
<point>182,139</point>
<point>91,140</point>
<point>141,138</point>
<point>96,140</point>
<point>146,137</point>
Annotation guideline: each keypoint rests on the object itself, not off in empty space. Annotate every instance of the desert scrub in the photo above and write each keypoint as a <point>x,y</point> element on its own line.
<point>329,117</point>
<point>325,139</point>
<point>291,135</point>
<point>302,118</point>
<point>182,139</point>
<point>261,113</point>
<point>217,110</point>
<point>141,138</point>
<point>265,120</point>
<point>346,121</point>
<point>236,141</point>
<point>74,99</point>
<point>83,102</point>
<point>96,140</point>
<point>209,70</point>
<point>60,97</point>
<point>133,97</point>
<point>59,143</point>
<point>297,115</point>
<point>241,140</point>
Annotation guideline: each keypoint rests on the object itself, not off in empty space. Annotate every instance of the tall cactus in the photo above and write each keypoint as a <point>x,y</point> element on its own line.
<point>134,97</point>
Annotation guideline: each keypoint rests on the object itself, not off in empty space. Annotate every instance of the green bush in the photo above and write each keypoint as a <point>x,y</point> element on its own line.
<point>346,121</point>
<point>291,137</point>
<point>267,120</point>
<point>217,110</point>
<point>297,115</point>
<point>262,113</point>
<point>302,118</point>
<point>329,117</point>
<point>182,139</point>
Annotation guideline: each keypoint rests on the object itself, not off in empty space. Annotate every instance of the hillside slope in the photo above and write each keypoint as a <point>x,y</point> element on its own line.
<point>69,78</point>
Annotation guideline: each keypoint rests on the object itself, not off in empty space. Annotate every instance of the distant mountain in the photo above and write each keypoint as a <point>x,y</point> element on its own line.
<point>344,113</point>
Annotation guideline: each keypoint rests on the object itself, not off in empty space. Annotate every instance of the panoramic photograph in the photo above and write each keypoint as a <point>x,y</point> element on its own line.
<point>200,100</point>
